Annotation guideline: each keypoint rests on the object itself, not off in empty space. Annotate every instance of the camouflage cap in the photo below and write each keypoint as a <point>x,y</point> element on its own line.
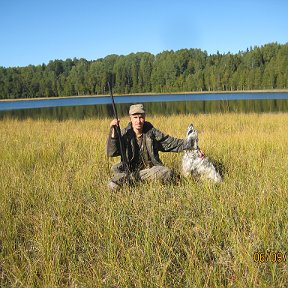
<point>136,109</point>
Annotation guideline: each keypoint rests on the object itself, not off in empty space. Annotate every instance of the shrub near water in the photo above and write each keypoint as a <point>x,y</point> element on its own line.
<point>60,226</point>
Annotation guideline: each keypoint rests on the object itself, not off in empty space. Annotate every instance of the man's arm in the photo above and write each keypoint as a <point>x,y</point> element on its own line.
<point>171,144</point>
<point>112,146</point>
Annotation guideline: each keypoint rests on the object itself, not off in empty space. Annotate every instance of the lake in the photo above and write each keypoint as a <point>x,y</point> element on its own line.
<point>85,107</point>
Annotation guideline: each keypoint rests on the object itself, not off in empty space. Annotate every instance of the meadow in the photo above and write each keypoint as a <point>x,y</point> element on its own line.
<point>61,227</point>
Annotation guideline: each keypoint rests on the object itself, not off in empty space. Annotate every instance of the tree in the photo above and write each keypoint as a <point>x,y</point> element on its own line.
<point>145,71</point>
<point>264,67</point>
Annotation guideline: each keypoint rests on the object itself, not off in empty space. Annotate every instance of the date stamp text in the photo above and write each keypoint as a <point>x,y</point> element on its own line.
<point>270,257</point>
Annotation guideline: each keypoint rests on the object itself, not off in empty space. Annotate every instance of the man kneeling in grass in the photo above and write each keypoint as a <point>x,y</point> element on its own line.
<point>141,145</point>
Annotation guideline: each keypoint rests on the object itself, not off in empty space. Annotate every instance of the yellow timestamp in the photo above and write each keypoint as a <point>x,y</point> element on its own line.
<point>270,257</point>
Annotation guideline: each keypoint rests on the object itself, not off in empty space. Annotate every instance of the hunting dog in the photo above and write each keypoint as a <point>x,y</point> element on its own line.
<point>194,161</point>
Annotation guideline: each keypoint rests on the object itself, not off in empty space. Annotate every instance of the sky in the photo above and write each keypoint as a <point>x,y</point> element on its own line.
<point>33,32</point>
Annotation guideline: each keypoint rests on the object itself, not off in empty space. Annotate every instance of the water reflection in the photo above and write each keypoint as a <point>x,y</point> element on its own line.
<point>156,108</point>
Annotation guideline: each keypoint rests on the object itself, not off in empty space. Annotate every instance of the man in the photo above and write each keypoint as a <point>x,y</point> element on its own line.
<point>141,144</point>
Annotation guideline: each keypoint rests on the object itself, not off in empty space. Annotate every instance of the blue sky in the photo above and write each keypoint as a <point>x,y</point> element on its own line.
<point>37,31</point>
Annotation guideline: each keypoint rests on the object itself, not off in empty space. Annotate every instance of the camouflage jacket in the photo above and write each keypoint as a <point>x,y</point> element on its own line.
<point>153,142</point>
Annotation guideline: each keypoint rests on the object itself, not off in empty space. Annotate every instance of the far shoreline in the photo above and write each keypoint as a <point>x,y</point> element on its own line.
<point>149,94</point>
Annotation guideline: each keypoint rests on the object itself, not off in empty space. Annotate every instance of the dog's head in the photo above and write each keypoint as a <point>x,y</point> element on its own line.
<point>192,134</point>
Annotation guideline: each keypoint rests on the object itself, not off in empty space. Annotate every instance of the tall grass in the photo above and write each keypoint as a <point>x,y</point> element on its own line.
<point>61,227</point>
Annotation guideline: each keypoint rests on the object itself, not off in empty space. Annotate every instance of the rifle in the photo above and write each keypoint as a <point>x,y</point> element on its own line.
<point>118,132</point>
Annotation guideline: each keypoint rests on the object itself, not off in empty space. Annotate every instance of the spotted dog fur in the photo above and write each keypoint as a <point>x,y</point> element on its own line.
<point>193,163</point>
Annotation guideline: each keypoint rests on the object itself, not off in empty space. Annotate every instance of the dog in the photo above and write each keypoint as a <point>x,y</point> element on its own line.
<point>194,161</point>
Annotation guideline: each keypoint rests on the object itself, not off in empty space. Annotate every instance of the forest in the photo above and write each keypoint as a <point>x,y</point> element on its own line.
<point>185,70</point>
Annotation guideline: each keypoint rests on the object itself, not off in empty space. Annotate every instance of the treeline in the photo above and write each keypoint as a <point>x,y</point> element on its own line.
<point>264,67</point>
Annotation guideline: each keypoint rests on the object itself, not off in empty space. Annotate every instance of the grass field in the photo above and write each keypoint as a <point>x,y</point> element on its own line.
<point>61,227</point>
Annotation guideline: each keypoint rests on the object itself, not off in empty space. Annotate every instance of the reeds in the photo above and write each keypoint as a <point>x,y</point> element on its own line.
<point>61,227</point>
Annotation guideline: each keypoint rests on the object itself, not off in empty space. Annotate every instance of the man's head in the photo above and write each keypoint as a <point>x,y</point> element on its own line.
<point>137,117</point>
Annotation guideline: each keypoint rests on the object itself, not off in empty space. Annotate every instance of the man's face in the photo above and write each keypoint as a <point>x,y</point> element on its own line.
<point>137,121</point>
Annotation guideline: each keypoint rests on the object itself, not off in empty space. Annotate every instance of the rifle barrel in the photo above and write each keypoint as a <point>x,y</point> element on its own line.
<point>118,130</point>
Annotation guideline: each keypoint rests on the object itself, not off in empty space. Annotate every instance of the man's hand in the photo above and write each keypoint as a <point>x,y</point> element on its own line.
<point>113,123</point>
<point>201,154</point>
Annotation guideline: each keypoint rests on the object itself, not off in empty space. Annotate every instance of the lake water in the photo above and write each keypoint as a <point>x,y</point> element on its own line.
<point>85,107</point>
